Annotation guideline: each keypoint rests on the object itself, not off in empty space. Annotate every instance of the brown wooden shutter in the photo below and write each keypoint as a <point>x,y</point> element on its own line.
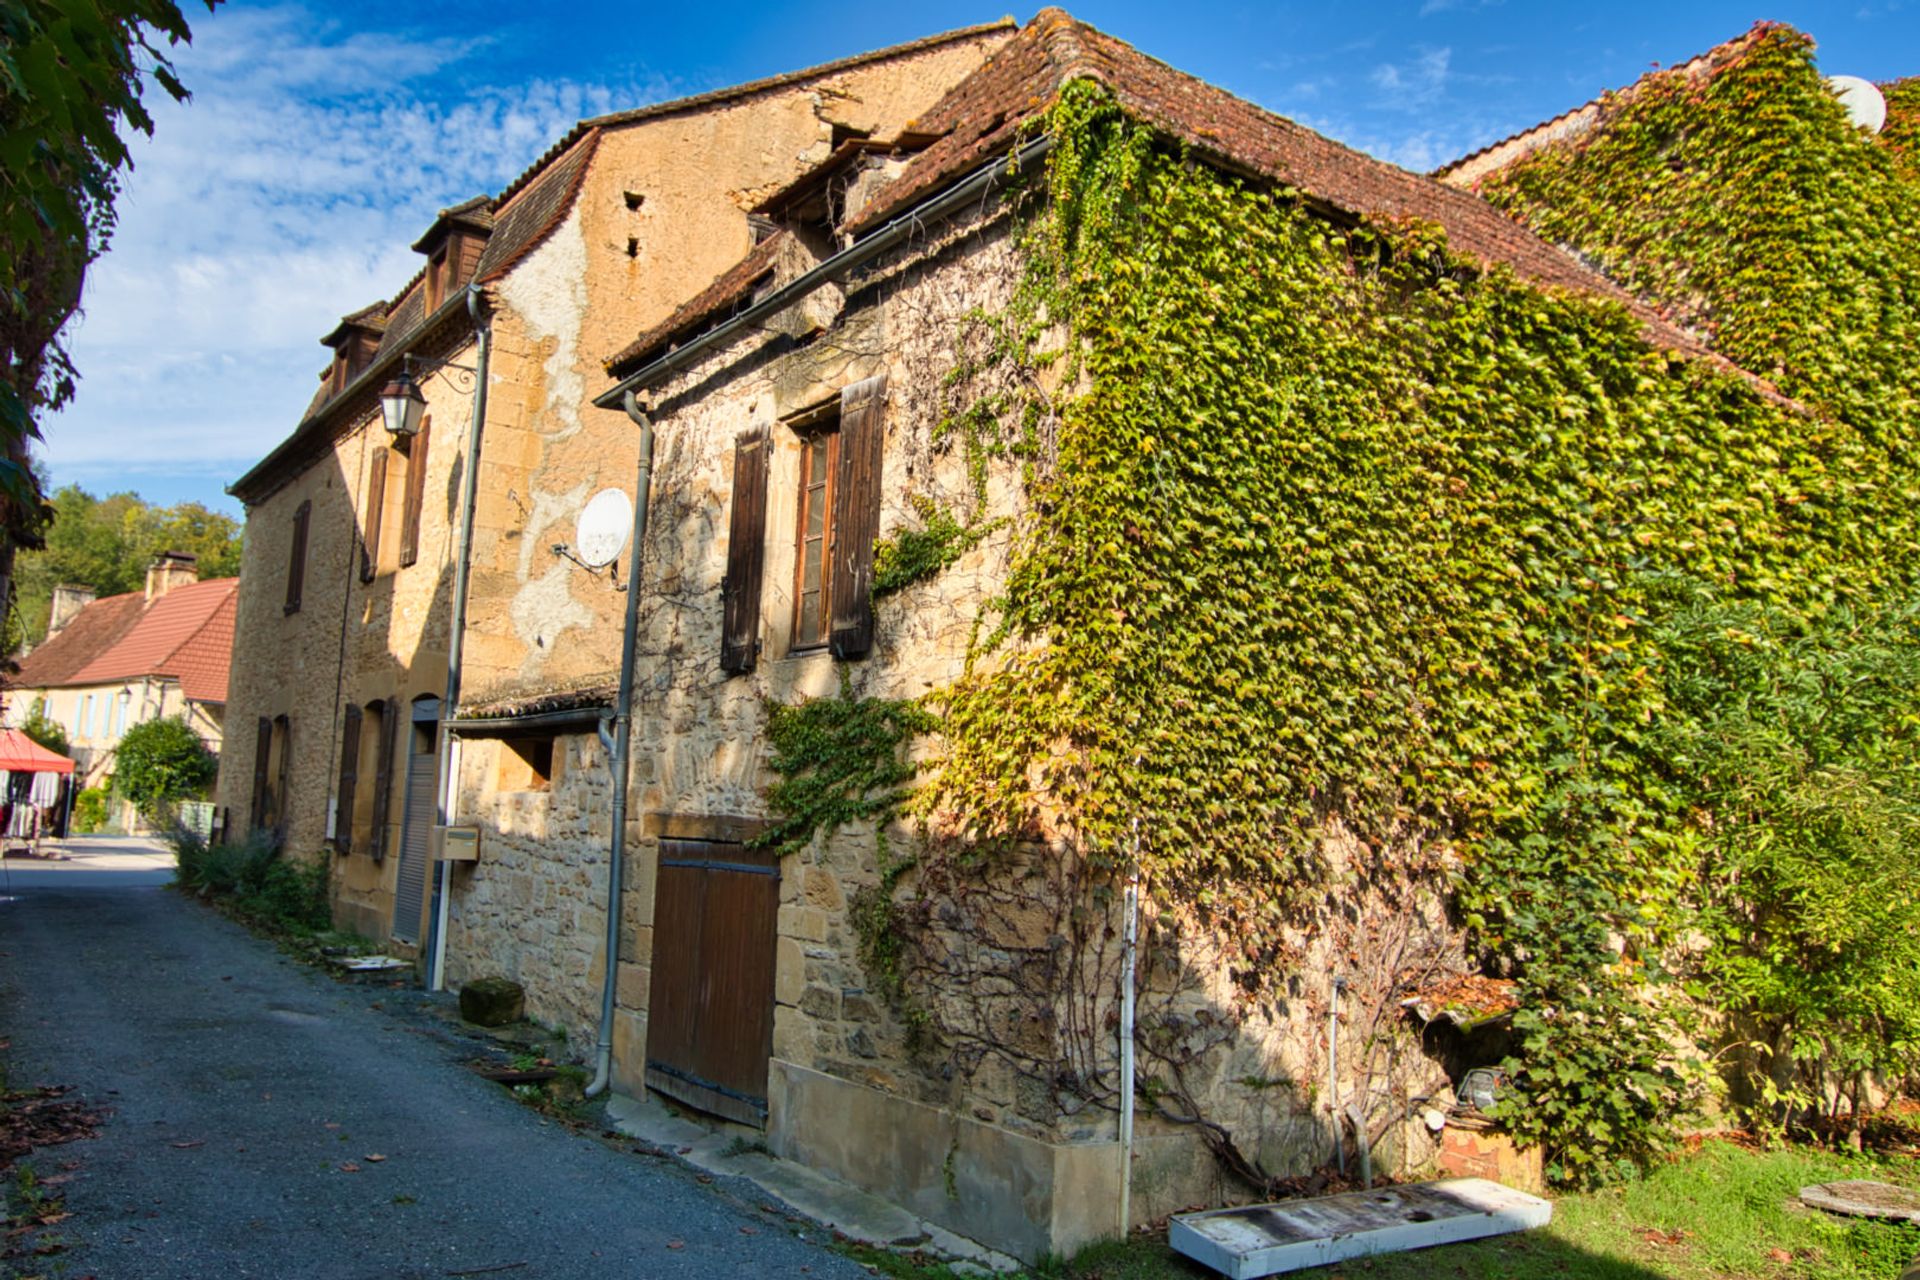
<point>283,795</point>
<point>349,775</point>
<point>746,553</point>
<point>383,778</point>
<point>376,507</point>
<point>416,494</point>
<point>856,515</point>
<point>262,750</point>
<point>297,557</point>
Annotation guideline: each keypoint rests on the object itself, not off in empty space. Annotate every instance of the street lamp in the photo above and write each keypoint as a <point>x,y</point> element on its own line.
<point>401,404</point>
<point>401,401</point>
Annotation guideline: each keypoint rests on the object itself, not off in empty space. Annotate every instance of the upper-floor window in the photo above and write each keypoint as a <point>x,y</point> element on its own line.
<point>813,542</point>
<point>439,278</point>
<point>297,556</point>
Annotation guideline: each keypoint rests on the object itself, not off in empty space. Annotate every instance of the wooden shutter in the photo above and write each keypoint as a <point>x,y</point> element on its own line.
<point>383,779</point>
<point>349,775</point>
<point>856,516</point>
<point>376,506</point>
<point>262,749</point>
<point>297,557</point>
<point>283,796</point>
<point>416,494</point>
<point>746,553</point>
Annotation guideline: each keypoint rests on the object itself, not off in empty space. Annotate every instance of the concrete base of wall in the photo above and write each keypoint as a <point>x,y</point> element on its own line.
<point>1014,1193</point>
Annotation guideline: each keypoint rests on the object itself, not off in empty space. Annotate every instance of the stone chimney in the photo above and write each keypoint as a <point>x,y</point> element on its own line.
<point>171,569</point>
<point>68,600</point>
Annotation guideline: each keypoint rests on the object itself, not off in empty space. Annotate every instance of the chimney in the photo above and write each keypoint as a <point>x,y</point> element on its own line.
<point>68,600</point>
<point>171,569</point>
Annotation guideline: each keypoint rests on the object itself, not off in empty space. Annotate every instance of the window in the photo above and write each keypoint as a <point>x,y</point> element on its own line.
<point>297,556</point>
<point>526,764</point>
<point>376,510</point>
<point>272,763</point>
<point>380,727</point>
<point>813,542</point>
<point>416,493</point>
<point>349,779</point>
<point>437,279</point>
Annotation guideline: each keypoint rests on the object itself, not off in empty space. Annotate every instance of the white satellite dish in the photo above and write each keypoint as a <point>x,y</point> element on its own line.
<point>1865,107</point>
<point>604,525</point>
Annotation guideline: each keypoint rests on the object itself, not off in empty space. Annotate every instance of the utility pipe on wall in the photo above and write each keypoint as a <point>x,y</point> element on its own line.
<point>456,635</point>
<point>1127,1017</point>
<point>621,744</point>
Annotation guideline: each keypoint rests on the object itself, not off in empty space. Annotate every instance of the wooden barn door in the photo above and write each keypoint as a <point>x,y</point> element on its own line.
<point>710,1007</point>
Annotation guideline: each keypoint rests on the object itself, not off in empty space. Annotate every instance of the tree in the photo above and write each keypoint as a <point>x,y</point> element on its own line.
<point>44,730</point>
<point>73,74</point>
<point>107,543</point>
<point>160,762</point>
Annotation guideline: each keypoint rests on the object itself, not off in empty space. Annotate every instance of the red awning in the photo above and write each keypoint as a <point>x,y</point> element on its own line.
<point>21,754</point>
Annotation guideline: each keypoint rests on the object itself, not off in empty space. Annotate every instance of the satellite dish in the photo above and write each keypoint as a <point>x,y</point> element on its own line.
<point>605,523</point>
<point>1865,107</point>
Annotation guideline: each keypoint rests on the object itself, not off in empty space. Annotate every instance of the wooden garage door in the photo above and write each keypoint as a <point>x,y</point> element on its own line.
<point>710,1006</point>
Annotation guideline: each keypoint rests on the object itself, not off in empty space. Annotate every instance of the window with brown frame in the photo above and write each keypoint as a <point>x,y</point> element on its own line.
<point>813,540</point>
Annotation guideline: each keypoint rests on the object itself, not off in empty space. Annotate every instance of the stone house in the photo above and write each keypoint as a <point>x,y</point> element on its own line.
<point>353,539</point>
<point>109,664</point>
<point>797,404</point>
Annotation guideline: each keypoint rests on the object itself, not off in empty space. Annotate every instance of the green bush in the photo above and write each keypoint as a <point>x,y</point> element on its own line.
<point>90,811</point>
<point>255,879</point>
<point>162,761</point>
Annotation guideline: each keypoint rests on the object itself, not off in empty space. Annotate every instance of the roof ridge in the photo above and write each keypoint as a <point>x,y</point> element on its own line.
<point>1468,169</point>
<point>764,84</point>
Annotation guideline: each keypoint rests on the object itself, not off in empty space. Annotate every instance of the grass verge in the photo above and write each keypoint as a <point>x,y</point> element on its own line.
<point>1720,1211</point>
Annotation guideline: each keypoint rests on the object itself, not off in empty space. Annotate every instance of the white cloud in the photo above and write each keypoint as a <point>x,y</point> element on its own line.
<point>1414,85</point>
<point>282,197</point>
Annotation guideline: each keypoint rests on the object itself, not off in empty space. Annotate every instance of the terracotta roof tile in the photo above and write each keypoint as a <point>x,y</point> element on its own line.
<point>979,118</point>
<point>1468,170</point>
<point>153,645</point>
<point>525,219</point>
<point>727,289</point>
<point>202,663</point>
<point>89,633</point>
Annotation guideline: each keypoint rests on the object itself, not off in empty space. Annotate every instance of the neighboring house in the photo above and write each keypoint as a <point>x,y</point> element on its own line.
<point>352,536</point>
<point>107,665</point>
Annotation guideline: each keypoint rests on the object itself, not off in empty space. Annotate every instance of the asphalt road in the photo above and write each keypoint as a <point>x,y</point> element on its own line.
<point>241,1085</point>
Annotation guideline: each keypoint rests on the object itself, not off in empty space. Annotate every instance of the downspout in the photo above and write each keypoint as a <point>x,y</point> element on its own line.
<point>1128,968</point>
<point>456,636</point>
<point>621,744</point>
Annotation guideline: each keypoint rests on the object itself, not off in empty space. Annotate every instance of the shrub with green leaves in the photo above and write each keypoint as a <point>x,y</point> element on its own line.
<point>255,878</point>
<point>90,811</point>
<point>162,761</point>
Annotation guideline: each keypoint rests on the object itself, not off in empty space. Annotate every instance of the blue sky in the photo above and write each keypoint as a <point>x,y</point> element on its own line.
<point>322,137</point>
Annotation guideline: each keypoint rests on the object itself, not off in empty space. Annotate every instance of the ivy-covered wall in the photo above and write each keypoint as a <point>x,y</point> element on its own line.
<point>1339,530</point>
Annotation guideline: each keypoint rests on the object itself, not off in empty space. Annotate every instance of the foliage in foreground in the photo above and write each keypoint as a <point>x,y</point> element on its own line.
<point>73,78</point>
<point>255,879</point>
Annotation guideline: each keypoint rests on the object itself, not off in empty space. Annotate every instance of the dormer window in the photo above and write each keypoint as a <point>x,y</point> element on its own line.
<point>439,279</point>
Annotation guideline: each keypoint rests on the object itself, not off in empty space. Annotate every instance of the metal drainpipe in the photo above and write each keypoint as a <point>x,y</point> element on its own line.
<point>456,635</point>
<point>622,742</point>
<point>1127,1018</point>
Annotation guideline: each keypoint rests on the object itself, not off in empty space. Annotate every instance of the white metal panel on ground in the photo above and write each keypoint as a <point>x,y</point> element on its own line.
<point>1269,1239</point>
